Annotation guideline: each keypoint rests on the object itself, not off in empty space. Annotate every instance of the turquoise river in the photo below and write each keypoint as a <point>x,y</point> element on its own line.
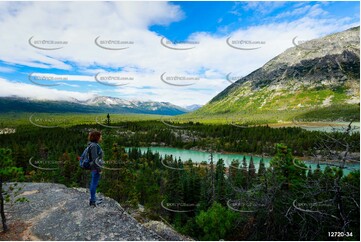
<point>200,156</point>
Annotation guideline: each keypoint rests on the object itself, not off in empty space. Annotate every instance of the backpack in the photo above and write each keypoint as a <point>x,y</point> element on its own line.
<point>85,160</point>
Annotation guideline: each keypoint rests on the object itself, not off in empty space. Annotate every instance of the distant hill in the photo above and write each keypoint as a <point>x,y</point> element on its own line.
<point>99,104</point>
<point>193,107</point>
<point>314,79</point>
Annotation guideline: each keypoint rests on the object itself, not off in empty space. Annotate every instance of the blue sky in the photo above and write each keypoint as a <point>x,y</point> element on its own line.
<point>136,66</point>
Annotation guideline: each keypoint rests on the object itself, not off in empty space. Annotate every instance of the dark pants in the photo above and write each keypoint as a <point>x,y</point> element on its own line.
<point>93,184</point>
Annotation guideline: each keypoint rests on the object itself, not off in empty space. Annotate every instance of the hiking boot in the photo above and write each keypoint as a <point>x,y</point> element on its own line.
<point>99,201</point>
<point>92,203</point>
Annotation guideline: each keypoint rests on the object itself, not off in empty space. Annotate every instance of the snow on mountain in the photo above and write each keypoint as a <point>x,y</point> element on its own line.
<point>96,104</point>
<point>192,107</point>
<point>109,101</point>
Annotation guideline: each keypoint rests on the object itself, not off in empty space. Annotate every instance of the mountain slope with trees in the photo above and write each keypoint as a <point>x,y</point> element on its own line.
<point>316,75</point>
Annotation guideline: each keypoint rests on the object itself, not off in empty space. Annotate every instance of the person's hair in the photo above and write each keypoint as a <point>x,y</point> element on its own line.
<point>94,136</point>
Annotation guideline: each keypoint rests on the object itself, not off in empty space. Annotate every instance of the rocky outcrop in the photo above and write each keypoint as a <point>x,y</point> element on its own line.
<point>55,212</point>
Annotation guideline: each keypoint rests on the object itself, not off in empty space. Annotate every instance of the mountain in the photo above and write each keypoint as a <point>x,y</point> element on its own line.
<point>107,101</point>
<point>98,104</point>
<point>192,107</point>
<point>311,79</point>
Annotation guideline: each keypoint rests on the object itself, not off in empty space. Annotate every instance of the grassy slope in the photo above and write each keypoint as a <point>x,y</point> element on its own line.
<point>269,106</point>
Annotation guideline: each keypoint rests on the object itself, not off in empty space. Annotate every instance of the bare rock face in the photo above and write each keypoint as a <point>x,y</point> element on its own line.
<point>55,212</point>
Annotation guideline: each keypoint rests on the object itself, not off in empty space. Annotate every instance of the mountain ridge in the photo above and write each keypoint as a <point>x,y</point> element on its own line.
<point>316,74</point>
<point>99,104</point>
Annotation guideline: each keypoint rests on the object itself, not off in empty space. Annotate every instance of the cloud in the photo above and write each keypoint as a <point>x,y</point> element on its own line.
<point>73,23</point>
<point>295,12</point>
<point>262,7</point>
<point>51,77</point>
<point>39,93</point>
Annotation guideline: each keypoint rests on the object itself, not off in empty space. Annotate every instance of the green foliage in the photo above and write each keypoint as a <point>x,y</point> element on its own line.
<point>12,192</point>
<point>334,112</point>
<point>291,173</point>
<point>220,183</point>
<point>216,223</point>
<point>8,170</point>
<point>119,177</point>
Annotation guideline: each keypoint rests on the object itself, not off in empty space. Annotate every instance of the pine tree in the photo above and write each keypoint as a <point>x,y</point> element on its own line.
<point>244,173</point>
<point>220,183</point>
<point>212,179</point>
<point>283,164</point>
<point>262,168</point>
<point>108,119</point>
<point>235,175</point>
<point>251,169</point>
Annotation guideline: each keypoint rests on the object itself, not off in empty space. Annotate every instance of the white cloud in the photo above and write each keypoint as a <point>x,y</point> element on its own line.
<point>39,93</point>
<point>295,12</point>
<point>56,78</point>
<point>263,7</point>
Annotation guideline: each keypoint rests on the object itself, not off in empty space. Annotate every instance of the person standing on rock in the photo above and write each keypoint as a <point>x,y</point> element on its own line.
<point>96,160</point>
